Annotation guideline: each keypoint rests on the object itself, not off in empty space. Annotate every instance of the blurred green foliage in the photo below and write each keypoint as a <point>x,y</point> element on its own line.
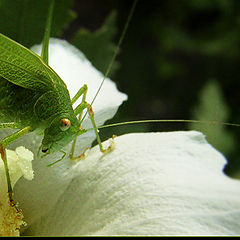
<point>24,20</point>
<point>212,106</point>
<point>172,52</point>
<point>99,45</point>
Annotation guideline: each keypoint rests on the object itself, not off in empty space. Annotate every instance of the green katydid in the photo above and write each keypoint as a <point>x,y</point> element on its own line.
<point>37,98</point>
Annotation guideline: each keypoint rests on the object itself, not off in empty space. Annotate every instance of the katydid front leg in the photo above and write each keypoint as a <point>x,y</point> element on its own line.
<point>3,144</point>
<point>79,111</point>
<point>91,116</point>
<point>82,91</point>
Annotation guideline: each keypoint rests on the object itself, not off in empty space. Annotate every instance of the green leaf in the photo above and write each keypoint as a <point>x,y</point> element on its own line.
<point>25,20</point>
<point>212,107</point>
<point>98,46</point>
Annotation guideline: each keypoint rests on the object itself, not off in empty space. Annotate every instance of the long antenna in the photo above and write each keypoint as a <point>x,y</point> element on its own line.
<point>117,48</point>
<point>116,51</point>
<point>167,121</point>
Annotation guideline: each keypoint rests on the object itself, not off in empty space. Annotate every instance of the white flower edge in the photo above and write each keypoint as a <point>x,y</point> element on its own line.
<point>150,184</point>
<point>19,164</point>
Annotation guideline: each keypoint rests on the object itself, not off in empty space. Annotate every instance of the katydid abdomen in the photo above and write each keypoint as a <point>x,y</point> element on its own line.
<point>17,104</point>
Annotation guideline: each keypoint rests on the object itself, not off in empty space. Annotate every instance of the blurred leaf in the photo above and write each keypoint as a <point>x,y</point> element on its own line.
<point>24,20</point>
<point>236,174</point>
<point>98,46</point>
<point>213,108</point>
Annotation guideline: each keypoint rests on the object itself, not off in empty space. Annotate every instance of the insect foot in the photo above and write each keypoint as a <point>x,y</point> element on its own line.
<point>80,157</point>
<point>110,147</point>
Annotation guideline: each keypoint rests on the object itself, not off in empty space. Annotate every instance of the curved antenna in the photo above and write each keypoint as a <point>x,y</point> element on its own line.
<point>116,51</point>
<point>166,121</point>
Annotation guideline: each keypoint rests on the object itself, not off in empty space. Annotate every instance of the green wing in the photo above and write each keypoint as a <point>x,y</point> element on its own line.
<point>24,68</point>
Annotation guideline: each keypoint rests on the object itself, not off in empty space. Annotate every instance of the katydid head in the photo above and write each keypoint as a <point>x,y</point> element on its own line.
<point>61,131</point>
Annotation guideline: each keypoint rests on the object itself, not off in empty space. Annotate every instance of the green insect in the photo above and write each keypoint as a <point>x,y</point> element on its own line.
<point>33,97</point>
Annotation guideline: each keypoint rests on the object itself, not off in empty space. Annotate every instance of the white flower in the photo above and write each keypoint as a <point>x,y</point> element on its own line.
<point>19,164</point>
<point>150,184</point>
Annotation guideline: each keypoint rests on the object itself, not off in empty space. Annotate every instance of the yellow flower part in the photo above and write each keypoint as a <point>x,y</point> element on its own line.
<point>11,217</point>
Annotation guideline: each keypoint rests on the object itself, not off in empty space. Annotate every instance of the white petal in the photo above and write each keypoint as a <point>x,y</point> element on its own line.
<point>19,164</point>
<point>24,162</point>
<point>150,184</point>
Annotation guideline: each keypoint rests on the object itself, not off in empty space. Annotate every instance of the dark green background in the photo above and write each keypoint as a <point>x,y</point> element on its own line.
<point>179,60</point>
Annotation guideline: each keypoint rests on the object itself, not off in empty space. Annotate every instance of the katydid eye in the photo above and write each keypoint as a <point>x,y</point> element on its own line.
<point>65,124</point>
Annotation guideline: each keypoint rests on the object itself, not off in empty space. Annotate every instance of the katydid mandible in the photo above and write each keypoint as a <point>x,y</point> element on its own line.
<point>33,96</point>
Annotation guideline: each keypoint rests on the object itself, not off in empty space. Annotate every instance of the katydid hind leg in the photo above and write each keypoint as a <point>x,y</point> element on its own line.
<point>3,144</point>
<point>9,185</point>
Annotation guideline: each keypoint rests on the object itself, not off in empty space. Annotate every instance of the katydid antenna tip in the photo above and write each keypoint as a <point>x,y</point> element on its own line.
<point>168,121</point>
<point>116,51</point>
